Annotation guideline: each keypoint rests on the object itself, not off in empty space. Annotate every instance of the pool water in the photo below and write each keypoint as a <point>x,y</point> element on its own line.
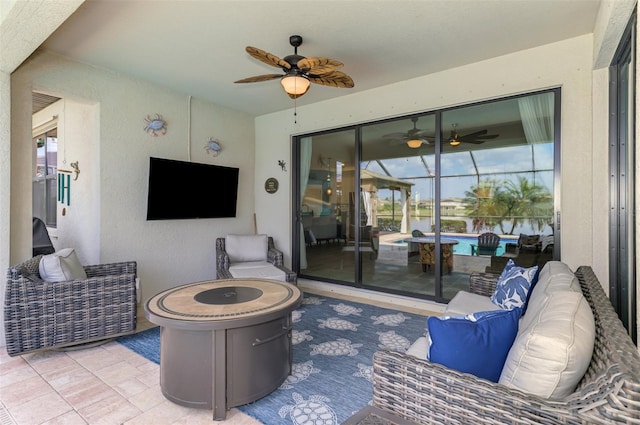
<point>463,247</point>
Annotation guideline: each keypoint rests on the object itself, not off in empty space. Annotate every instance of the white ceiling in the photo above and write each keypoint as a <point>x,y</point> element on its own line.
<point>197,47</point>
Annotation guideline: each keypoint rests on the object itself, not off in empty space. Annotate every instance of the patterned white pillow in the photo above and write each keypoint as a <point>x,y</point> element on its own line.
<point>513,286</point>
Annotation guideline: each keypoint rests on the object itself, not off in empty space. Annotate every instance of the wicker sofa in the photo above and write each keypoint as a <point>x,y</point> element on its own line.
<point>429,393</point>
<point>42,315</point>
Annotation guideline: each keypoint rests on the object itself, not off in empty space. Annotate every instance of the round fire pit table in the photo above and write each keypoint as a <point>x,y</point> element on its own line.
<point>224,343</point>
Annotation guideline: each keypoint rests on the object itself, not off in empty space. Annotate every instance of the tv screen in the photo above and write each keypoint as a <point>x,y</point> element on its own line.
<point>184,190</point>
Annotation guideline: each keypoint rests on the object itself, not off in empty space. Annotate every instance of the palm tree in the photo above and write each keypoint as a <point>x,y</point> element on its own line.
<point>523,202</point>
<point>481,206</point>
<point>491,203</point>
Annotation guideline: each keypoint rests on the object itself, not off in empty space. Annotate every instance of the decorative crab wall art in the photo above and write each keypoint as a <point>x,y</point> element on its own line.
<point>155,125</point>
<point>213,146</point>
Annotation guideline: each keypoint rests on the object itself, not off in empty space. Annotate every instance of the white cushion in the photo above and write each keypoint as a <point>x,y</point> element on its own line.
<point>558,276</point>
<point>553,347</point>
<point>246,247</point>
<point>464,303</point>
<point>266,272</point>
<point>249,265</point>
<point>61,266</point>
<point>420,348</point>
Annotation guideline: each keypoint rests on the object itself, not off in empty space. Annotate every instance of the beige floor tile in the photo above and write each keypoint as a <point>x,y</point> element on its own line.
<point>86,392</point>
<point>149,398</point>
<point>94,358</point>
<point>52,363</point>
<point>16,375</point>
<point>204,417</point>
<point>163,413</point>
<point>25,391</point>
<point>7,364</point>
<point>117,373</point>
<point>131,387</point>
<point>151,377</point>
<point>68,375</point>
<point>69,418</point>
<point>111,410</point>
<point>40,409</point>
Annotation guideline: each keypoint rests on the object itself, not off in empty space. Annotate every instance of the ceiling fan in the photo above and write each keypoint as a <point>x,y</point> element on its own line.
<point>414,138</point>
<point>477,137</point>
<point>299,71</point>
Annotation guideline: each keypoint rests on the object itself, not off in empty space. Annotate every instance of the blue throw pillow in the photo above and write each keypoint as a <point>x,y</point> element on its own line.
<point>477,343</point>
<point>513,286</point>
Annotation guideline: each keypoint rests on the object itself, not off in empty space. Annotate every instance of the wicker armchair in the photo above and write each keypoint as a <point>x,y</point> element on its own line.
<point>274,256</point>
<point>429,393</point>
<point>41,315</point>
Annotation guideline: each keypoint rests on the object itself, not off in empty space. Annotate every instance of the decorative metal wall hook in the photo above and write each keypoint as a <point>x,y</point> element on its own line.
<point>76,169</point>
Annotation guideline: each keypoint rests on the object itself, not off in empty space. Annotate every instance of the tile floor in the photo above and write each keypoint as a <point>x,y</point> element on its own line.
<point>107,384</point>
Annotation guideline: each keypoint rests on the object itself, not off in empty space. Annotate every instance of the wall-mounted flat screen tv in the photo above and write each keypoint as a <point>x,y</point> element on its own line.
<point>186,190</point>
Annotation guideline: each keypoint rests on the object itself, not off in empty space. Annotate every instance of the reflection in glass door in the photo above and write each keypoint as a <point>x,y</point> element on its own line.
<point>397,191</point>
<point>325,207</point>
<point>414,205</point>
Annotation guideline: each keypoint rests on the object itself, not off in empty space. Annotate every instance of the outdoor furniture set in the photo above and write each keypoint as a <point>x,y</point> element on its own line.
<point>251,256</point>
<point>571,362</point>
<point>52,301</point>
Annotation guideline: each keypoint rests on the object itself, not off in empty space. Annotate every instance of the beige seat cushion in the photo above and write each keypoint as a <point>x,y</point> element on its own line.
<point>258,270</point>
<point>466,303</point>
<point>553,347</point>
<point>241,248</point>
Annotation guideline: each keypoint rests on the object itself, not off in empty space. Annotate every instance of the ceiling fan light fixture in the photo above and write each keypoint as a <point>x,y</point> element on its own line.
<point>414,143</point>
<point>295,84</point>
<point>454,142</point>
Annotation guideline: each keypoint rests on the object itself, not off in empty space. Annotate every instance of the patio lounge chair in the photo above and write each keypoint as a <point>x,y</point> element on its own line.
<point>487,244</point>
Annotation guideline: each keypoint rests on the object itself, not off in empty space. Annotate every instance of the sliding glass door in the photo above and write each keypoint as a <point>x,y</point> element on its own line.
<point>414,205</point>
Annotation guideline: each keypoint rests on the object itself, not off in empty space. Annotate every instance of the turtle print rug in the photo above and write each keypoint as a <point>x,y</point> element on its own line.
<point>333,345</point>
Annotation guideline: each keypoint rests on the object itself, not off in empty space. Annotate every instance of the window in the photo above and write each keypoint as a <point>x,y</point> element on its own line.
<point>415,193</point>
<point>45,176</point>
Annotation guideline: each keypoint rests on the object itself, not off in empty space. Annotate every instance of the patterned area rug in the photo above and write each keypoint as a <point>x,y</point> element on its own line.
<point>333,345</point>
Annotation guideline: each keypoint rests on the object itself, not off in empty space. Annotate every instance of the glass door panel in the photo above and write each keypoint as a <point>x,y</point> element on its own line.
<point>397,170</point>
<point>326,182</point>
<point>408,205</point>
<point>497,178</point>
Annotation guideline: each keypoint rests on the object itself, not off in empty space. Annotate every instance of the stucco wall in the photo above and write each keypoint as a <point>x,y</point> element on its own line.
<point>566,64</point>
<point>104,118</point>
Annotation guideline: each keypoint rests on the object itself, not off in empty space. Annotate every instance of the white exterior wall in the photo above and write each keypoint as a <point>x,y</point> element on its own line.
<point>104,117</point>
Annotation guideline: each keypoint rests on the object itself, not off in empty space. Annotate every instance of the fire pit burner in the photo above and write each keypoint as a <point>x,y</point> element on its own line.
<point>228,295</point>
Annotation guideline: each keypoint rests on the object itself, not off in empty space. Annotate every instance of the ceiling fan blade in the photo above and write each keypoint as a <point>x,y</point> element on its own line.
<point>267,58</point>
<point>474,135</point>
<point>319,66</point>
<point>488,136</point>
<point>334,79</point>
<point>395,135</point>
<point>258,78</point>
<point>473,141</point>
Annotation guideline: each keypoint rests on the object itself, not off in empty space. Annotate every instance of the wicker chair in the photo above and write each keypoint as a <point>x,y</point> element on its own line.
<point>41,315</point>
<point>274,256</point>
<point>429,393</point>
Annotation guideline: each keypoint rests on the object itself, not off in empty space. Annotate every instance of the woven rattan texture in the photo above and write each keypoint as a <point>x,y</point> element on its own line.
<point>429,393</point>
<point>274,256</point>
<point>40,315</point>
